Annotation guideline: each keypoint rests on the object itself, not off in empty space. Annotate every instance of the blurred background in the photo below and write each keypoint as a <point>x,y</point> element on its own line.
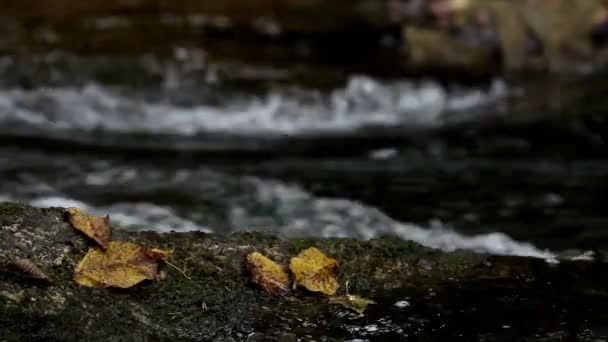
<point>454,123</point>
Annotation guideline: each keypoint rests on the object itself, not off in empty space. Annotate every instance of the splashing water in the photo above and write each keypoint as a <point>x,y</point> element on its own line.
<point>363,102</point>
<point>278,207</point>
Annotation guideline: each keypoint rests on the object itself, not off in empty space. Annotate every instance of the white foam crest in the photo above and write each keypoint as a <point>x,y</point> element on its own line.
<point>144,216</point>
<point>54,201</point>
<point>292,211</point>
<point>5,198</point>
<point>150,217</point>
<point>449,240</point>
<point>345,218</point>
<point>363,102</point>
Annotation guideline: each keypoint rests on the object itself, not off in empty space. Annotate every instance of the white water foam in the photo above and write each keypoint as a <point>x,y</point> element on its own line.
<point>5,198</point>
<point>287,209</point>
<point>129,215</point>
<point>346,218</point>
<point>363,102</point>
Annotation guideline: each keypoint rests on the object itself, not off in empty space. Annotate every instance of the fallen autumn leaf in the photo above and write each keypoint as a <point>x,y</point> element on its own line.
<point>315,271</point>
<point>29,268</point>
<point>267,274</point>
<point>96,228</point>
<point>122,264</point>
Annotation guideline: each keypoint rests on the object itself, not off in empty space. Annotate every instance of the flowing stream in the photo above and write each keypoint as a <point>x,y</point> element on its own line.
<point>175,147</point>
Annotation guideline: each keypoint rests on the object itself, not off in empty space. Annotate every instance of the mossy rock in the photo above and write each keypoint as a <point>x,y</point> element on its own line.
<point>421,293</point>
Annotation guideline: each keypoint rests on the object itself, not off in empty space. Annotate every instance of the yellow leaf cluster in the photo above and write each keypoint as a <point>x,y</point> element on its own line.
<point>267,274</point>
<point>122,264</point>
<point>96,228</point>
<point>116,263</point>
<point>311,270</point>
<point>315,271</point>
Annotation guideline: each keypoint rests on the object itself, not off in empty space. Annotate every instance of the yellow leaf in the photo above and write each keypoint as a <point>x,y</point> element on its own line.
<point>315,271</point>
<point>96,228</point>
<point>267,274</point>
<point>122,264</point>
<point>158,254</point>
<point>353,302</point>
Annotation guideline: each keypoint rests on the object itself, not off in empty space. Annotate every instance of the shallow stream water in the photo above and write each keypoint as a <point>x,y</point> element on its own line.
<point>178,146</point>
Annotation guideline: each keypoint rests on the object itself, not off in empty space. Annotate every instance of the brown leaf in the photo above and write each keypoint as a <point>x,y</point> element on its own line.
<point>122,264</point>
<point>97,228</point>
<point>267,274</point>
<point>28,267</point>
<point>315,271</point>
<point>353,302</point>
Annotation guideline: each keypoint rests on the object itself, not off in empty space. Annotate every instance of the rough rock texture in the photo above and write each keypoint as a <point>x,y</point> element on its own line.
<point>421,294</point>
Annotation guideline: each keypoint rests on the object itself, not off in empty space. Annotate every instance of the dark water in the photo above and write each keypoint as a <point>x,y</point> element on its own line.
<point>556,204</point>
<point>181,145</point>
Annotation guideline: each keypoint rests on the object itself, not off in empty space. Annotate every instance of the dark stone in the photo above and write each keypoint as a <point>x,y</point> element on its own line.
<point>463,297</point>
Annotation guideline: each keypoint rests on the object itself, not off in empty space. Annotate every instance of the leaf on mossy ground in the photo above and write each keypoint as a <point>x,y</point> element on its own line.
<point>97,228</point>
<point>315,271</point>
<point>122,264</point>
<point>267,274</point>
<point>352,302</point>
<point>29,268</point>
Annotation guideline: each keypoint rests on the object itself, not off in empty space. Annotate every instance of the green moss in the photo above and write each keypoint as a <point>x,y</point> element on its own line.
<point>295,245</point>
<point>10,209</point>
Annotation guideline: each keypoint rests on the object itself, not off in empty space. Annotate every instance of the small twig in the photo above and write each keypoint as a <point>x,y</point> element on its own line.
<point>177,268</point>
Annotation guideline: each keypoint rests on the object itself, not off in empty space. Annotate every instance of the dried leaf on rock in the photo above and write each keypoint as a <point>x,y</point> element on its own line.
<point>353,302</point>
<point>122,264</point>
<point>267,274</point>
<point>97,228</point>
<point>315,271</point>
<point>29,268</point>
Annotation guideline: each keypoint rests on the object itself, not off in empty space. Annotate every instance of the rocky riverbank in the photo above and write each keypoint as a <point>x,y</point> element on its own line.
<point>421,293</point>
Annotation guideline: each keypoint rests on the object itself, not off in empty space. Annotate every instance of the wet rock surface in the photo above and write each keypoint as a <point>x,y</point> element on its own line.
<point>421,294</point>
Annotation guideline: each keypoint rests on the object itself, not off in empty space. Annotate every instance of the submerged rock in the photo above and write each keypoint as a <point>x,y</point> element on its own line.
<point>462,297</point>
